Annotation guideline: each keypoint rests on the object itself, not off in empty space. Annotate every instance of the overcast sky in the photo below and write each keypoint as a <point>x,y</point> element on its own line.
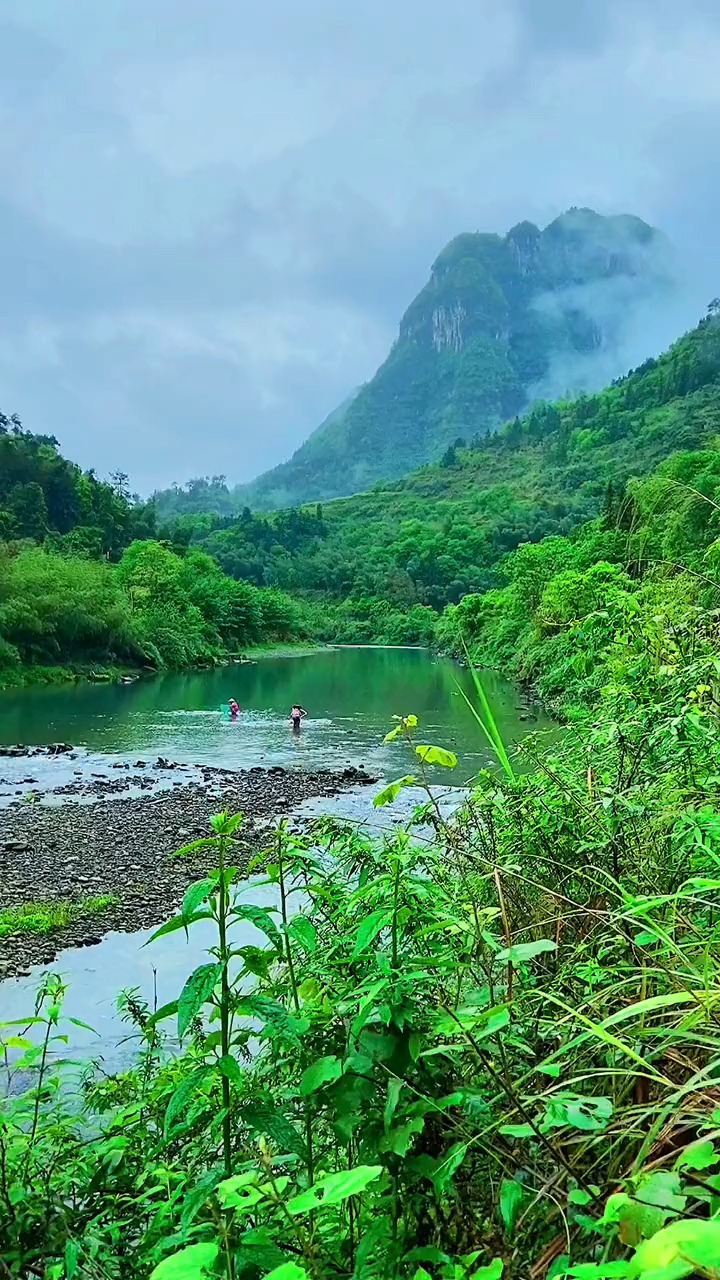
<point>213,212</point>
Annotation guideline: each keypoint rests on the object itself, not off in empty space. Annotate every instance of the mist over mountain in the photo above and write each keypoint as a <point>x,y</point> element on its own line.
<point>502,321</point>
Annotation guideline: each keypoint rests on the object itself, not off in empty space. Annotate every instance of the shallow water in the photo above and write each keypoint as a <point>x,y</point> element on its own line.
<point>350,695</point>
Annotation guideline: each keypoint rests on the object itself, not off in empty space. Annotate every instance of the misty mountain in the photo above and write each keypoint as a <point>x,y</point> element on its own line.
<point>503,320</point>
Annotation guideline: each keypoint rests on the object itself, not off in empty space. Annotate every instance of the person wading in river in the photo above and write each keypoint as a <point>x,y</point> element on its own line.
<point>297,713</point>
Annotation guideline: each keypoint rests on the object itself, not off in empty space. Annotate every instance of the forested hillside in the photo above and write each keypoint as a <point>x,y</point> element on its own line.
<point>84,583</point>
<point>391,556</point>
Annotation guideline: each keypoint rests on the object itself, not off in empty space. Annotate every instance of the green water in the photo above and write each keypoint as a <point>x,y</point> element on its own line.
<point>350,695</point>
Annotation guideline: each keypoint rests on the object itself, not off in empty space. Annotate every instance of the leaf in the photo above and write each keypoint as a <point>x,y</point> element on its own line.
<point>517,1130</point>
<point>525,951</point>
<point>193,1261</point>
<point>324,1071</point>
<point>271,1123</point>
<point>196,894</point>
<point>395,1087</point>
<point>447,1167</point>
<point>369,928</point>
<point>177,922</point>
<point>437,755</point>
<point>662,1189</point>
<point>72,1257</point>
<point>198,1196</point>
<point>198,988</point>
<point>588,1114</point>
<point>392,791</point>
<point>230,1067</point>
<point>334,1188</point>
<point>493,1271</point>
<point>511,1198</point>
<point>598,1271</point>
<point>262,919</point>
<point>287,1271</point>
<point>305,932</point>
<point>165,1011</point>
<point>682,1248</point>
<point>181,1097</point>
<point>275,1017</point>
<point>699,1155</point>
<point>240,1192</point>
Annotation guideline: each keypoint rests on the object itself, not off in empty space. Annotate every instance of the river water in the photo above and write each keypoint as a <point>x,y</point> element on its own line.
<point>350,694</point>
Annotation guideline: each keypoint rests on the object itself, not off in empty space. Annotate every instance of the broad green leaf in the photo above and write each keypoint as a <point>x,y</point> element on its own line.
<point>511,1198</point>
<point>525,951</point>
<point>493,1271</point>
<point>196,894</point>
<point>334,1188</point>
<point>662,1189</point>
<point>437,755</point>
<point>589,1114</point>
<point>324,1071</point>
<point>72,1257</point>
<point>165,1011</point>
<point>369,928</point>
<point>394,1090</point>
<point>305,932</point>
<point>392,791</point>
<point>178,1104</point>
<point>262,919</point>
<point>277,1022</point>
<point>265,1118</point>
<point>447,1166</point>
<point>230,1067</point>
<point>393,734</point>
<point>598,1271</point>
<point>636,1221</point>
<point>198,988</point>
<point>190,1263</point>
<point>287,1271</point>
<point>682,1248</point>
<point>699,1155</point>
<point>517,1130</point>
<point>177,922</point>
<point>241,1192</point>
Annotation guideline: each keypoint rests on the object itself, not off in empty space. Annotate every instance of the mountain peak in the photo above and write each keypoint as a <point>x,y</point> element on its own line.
<point>499,315</point>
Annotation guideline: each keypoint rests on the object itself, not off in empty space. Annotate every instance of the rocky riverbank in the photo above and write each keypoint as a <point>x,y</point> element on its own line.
<point>103,835</point>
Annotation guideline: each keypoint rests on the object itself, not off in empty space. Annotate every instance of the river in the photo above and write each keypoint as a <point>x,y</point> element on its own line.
<point>351,695</point>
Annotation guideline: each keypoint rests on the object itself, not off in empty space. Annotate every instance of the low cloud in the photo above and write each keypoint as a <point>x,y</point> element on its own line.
<point>212,220</point>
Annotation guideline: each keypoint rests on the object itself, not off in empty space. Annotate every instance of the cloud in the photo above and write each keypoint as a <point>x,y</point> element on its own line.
<point>213,217</point>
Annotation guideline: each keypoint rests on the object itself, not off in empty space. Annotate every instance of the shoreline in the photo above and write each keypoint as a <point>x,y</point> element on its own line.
<point>116,673</point>
<point>108,837</point>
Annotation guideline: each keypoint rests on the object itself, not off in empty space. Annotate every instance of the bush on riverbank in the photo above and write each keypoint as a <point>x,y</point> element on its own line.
<point>643,578</point>
<point>494,1054</point>
<point>154,608</point>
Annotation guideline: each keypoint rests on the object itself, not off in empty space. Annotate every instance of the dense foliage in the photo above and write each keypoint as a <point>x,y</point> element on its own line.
<point>83,582</point>
<point>153,608</point>
<point>492,1053</point>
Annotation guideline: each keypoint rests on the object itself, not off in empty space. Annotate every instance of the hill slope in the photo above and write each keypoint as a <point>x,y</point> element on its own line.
<point>443,531</point>
<point>501,319</point>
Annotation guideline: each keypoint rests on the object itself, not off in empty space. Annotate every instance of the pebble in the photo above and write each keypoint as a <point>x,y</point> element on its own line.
<point>122,845</point>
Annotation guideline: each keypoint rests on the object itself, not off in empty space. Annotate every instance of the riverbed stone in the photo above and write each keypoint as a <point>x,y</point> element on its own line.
<point>121,844</point>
